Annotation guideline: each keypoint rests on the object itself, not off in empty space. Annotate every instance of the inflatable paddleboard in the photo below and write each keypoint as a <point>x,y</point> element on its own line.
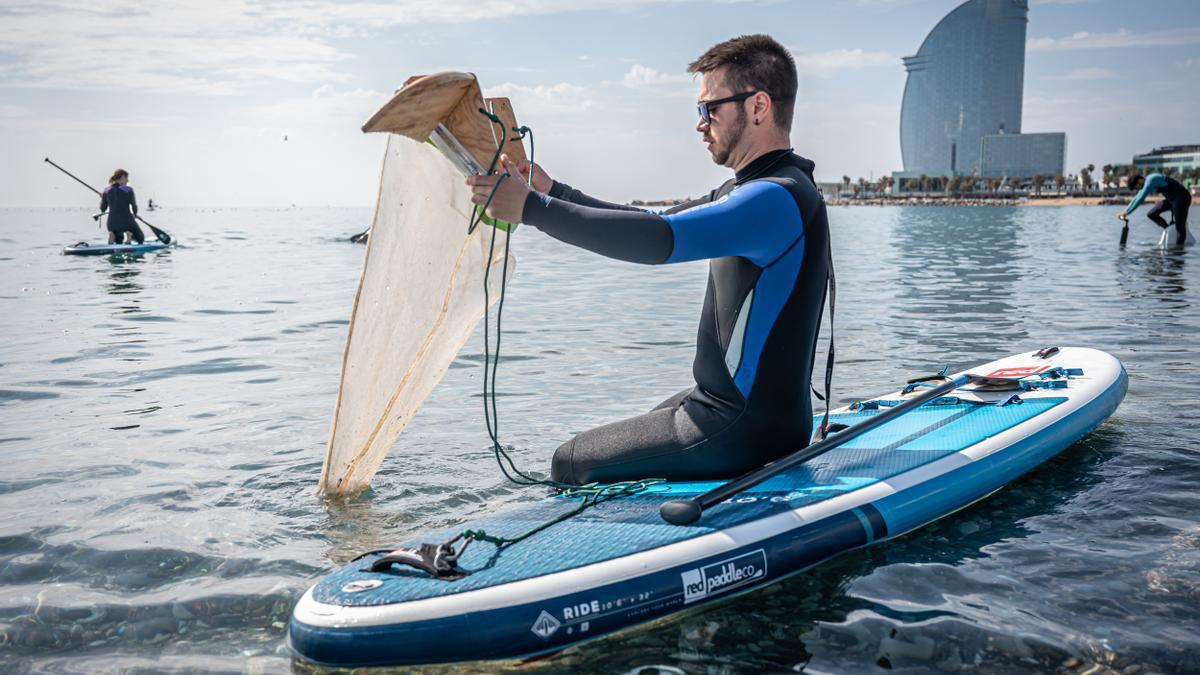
<point>1170,237</point>
<point>619,564</point>
<point>115,249</point>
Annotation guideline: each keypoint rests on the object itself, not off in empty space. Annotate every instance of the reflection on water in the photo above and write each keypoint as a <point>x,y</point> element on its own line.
<point>123,275</point>
<point>1158,273</point>
<point>164,420</point>
<point>956,274</point>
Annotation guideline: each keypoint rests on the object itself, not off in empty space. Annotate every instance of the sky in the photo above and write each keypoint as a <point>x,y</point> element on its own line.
<point>243,103</point>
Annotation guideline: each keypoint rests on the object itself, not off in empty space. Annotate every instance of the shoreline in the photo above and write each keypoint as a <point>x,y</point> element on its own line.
<point>984,201</point>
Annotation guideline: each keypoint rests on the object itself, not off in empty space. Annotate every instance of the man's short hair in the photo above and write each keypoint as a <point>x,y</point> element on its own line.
<point>755,63</point>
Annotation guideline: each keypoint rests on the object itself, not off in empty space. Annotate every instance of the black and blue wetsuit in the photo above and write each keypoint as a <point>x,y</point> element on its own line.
<point>121,204</point>
<point>1176,199</point>
<point>767,236</point>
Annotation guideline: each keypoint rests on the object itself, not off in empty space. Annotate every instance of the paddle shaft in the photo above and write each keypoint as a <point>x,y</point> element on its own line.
<point>1125,231</point>
<point>162,236</point>
<point>686,511</point>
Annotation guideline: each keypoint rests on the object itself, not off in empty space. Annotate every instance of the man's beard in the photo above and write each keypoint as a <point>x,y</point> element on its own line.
<point>721,155</point>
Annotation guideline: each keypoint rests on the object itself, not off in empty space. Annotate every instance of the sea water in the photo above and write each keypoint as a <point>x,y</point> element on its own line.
<point>163,421</point>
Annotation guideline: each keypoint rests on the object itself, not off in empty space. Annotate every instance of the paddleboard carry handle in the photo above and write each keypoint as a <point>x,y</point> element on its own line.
<point>688,511</point>
<point>439,561</point>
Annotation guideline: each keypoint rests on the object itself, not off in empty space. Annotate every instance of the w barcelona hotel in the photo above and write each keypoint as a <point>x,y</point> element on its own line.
<point>961,113</point>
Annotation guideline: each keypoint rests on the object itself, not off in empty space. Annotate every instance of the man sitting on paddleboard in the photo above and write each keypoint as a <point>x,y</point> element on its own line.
<point>766,234</point>
<point>118,199</point>
<point>1175,199</point>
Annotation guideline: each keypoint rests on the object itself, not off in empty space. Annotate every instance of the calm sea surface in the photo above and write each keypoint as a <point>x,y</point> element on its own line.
<point>163,421</point>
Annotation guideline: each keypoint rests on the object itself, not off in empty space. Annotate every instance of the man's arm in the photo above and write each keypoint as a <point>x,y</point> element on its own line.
<point>758,221</point>
<point>133,202</point>
<point>1153,182</point>
<point>560,190</point>
<point>104,201</point>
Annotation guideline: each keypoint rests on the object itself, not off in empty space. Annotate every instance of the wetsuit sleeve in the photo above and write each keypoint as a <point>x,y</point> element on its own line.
<point>133,202</point>
<point>693,203</point>
<point>1153,182</point>
<point>104,201</point>
<point>758,221</point>
<point>567,193</point>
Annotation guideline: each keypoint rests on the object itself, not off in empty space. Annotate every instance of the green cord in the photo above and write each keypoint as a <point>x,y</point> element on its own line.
<point>589,495</point>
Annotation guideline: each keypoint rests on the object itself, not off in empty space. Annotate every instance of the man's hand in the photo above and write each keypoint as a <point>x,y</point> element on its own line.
<point>508,204</point>
<point>1123,215</point>
<point>541,179</point>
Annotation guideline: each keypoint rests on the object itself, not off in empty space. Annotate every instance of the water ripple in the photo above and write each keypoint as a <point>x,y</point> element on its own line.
<point>181,541</point>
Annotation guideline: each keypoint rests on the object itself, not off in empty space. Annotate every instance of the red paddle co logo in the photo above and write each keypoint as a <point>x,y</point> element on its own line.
<point>1018,372</point>
<point>723,576</point>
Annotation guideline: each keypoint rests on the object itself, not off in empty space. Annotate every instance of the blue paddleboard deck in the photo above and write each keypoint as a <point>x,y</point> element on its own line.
<point>115,249</point>
<point>619,564</point>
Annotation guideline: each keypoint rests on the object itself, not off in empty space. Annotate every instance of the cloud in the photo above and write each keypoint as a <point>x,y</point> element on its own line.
<point>1085,74</point>
<point>641,77</point>
<point>186,46</point>
<point>1173,37</point>
<point>545,99</point>
<point>825,64</point>
<point>219,47</point>
<point>8,111</point>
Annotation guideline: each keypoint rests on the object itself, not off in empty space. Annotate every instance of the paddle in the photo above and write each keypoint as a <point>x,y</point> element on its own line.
<point>687,511</point>
<point>1125,231</point>
<point>162,236</point>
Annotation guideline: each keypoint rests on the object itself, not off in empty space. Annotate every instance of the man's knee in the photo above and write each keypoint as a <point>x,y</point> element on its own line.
<point>562,467</point>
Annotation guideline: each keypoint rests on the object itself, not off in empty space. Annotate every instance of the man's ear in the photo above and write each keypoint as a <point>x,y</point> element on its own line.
<point>762,105</point>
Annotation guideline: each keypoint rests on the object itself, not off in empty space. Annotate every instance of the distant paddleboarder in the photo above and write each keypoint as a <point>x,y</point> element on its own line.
<point>121,204</point>
<point>766,235</point>
<point>1175,199</point>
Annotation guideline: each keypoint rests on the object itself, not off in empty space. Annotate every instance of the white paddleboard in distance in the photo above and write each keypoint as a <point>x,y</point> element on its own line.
<point>619,564</point>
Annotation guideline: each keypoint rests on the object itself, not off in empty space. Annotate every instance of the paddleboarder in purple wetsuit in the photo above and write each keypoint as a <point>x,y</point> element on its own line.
<point>121,204</point>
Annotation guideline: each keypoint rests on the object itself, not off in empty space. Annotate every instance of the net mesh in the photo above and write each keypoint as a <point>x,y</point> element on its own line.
<point>419,299</point>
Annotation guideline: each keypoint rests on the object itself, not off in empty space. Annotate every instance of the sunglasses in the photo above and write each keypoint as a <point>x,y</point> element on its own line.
<point>705,107</point>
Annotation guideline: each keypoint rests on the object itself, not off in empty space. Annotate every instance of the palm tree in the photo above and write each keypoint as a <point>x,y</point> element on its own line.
<point>1085,177</point>
<point>1108,175</point>
<point>924,183</point>
<point>1038,179</point>
<point>1059,181</point>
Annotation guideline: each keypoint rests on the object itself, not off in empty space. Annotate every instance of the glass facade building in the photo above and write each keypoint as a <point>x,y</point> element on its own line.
<point>1003,155</point>
<point>1177,157</point>
<point>965,82</point>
